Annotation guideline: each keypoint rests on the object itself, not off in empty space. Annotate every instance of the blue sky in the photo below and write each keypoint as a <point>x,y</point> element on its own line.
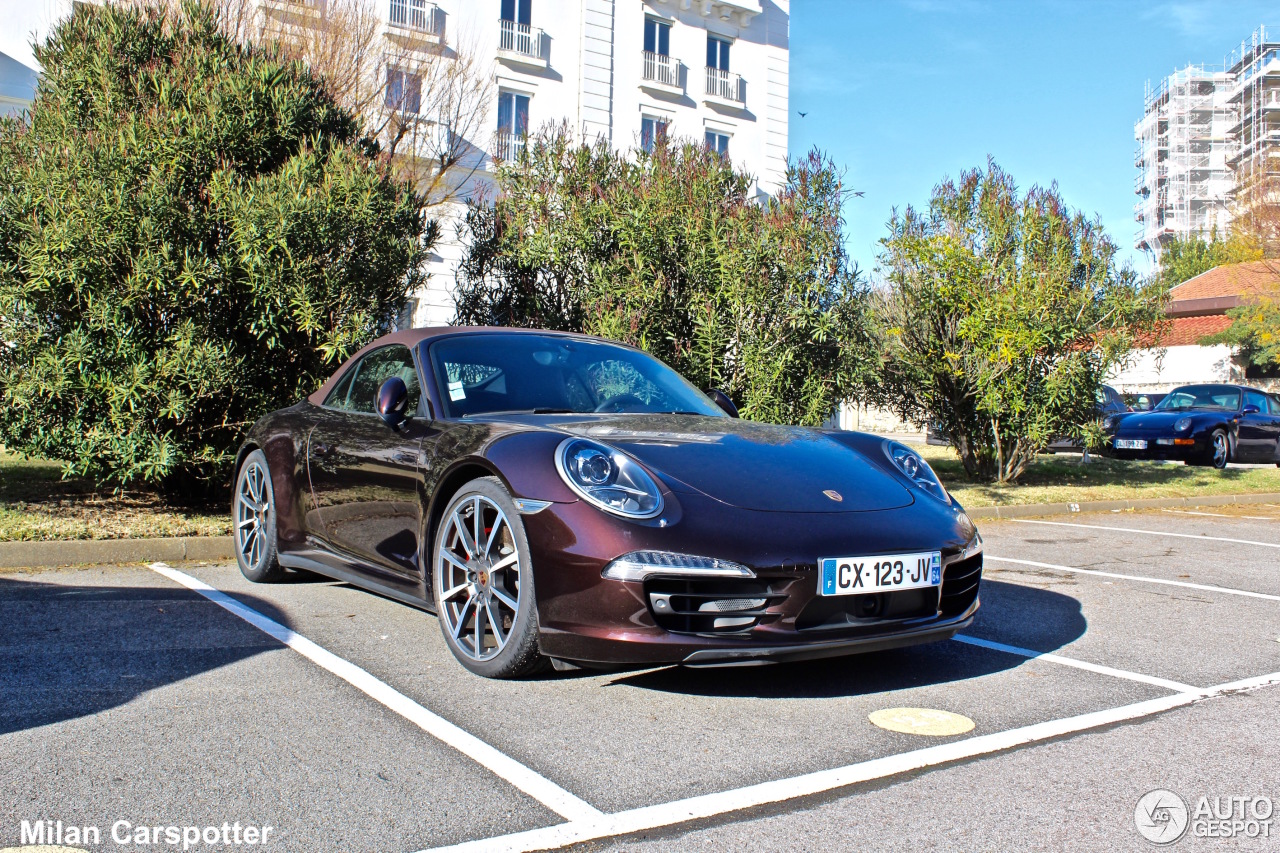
<point>904,92</point>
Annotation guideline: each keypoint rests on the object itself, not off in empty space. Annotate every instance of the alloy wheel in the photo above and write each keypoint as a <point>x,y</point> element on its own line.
<point>1219,450</point>
<point>477,575</point>
<point>252,514</point>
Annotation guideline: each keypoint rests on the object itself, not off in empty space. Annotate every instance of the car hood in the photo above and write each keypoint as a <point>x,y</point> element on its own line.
<point>746,464</point>
<point>1161,420</point>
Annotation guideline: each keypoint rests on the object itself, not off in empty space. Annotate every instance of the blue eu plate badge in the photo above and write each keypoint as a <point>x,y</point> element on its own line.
<point>828,577</point>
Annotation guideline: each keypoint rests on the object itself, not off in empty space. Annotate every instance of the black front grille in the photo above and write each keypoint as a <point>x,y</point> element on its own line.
<point>826,612</point>
<point>710,606</point>
<point>960,580</point>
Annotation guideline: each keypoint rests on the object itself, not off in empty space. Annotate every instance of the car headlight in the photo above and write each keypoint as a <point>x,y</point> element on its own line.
<point>1182,424</point>
<point>607,478</point>
<point>912,464</point>
<point>1110,421</point>
<point>639,565</point>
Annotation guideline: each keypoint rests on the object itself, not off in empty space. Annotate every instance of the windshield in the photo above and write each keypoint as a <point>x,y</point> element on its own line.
<point>1221,397</point>
<point>488,373</point>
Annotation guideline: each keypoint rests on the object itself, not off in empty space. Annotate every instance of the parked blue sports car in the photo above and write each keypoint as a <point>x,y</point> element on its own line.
<point>1203,425</point>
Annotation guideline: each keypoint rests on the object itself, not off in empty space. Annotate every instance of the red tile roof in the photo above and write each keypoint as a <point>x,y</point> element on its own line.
<point>1185,331</point>
<point>1246,279</point>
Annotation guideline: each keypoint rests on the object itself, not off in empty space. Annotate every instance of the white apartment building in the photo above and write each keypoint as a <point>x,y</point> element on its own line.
<point>1204,130</point>
<point>624,71</point>
<point>1184,181</point>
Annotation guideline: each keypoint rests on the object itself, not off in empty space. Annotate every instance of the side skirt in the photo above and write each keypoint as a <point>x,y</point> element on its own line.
<point>310,563</point>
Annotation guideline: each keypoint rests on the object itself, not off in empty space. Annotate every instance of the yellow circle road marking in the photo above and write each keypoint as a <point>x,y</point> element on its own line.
<point>921,721</point>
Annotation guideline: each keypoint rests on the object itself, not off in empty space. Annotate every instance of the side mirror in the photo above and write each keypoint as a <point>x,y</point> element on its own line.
<point>393,397</point>
<point>1250,409</point>
<point>722,400</point>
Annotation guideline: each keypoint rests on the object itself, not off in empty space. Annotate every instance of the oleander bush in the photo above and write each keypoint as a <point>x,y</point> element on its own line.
<point>671,250</point>
<point>192,233</point>
<point>1005,310</point>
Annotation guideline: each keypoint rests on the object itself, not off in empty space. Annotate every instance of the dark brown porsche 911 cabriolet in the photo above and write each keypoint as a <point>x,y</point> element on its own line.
<point>557,497</point>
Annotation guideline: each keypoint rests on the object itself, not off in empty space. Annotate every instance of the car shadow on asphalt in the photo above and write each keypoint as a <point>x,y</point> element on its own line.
<point>72,650</point>
<point>1057,618</point>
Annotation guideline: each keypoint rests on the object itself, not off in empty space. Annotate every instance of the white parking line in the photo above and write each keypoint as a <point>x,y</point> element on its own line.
<point>535,785</point>
<point>1192,512</point>
<point>712,805</point>
<point>1207,588</point>
<point>1176,686</point>
<point>1148,532</point>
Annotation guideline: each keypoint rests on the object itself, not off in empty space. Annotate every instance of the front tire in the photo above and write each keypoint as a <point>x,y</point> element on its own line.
<point>482,583</point>
<point>253,516</point>
<point>1219,449</point>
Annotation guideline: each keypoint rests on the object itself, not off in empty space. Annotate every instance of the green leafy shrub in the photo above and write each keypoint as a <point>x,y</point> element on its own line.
<point>1006,311</point>
<point>671,252</point>
<point>192,233</point>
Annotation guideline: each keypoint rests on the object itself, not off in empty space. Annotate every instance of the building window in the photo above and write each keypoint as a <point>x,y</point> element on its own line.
<point>717,53</point>
<point>657,37</point>
<point>513,124</point>
<point>404,91</point>
<point>516,11</point>
<point>652,131</point>
<point>405,319</point>
<point>718,142</point>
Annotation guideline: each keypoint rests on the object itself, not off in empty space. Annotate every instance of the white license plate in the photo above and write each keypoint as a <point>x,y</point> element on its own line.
<point>856,575</point>
<point>1131,444</point>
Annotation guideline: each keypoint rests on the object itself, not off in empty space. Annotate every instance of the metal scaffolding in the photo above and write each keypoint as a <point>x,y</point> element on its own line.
<point>1205,134</point>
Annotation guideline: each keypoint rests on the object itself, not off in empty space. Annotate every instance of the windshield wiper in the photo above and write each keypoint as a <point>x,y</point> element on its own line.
<point>522,412</point>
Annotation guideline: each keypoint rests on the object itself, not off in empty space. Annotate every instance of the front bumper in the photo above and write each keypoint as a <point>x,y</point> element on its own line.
<point>1199,449</point>
<point>592,620</point>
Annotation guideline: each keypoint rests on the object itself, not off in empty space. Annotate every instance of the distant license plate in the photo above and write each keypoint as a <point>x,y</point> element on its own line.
<point>856,575</point>
<point>1131,444</point>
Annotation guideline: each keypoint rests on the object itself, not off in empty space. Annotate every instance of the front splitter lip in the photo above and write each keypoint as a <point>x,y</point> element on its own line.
<point>933,632</point>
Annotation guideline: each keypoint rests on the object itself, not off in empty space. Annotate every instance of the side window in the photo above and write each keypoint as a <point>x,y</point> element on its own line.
<point>358,390</point>
<point>1275,405</point>
<point>1253,398</point>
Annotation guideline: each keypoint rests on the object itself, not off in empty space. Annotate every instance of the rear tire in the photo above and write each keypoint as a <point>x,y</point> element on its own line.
<point>482,583</point>
<point>253,520</point>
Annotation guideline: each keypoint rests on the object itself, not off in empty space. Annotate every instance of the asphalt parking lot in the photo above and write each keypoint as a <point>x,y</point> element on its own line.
<point>1114,654</point>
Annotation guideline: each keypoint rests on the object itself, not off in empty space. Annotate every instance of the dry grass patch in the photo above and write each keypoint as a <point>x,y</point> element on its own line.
<point>36,503</point>
<point>1063,478</point>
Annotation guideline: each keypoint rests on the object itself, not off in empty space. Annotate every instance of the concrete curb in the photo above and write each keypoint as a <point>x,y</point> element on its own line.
<point>1029,510</point>
<point>83,552</point>
<point>77,552</point>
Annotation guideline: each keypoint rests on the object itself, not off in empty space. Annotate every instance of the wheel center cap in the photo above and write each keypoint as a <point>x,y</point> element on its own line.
<point>484,578</point>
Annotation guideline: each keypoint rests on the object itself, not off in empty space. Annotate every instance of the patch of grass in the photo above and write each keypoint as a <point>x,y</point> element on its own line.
<point>1063,478</point>
<point>36,503</point>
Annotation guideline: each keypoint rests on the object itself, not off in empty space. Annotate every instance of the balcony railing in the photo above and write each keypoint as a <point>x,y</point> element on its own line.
<point>507,145</point>
<point>520,39</point>
<point>660,69</point>
<point>724,85</point>
<point>417,15</point>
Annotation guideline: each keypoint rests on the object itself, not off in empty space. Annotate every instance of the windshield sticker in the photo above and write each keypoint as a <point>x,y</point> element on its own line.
<point>456,391</point>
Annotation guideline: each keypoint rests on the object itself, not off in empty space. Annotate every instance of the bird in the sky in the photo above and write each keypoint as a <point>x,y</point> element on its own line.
<point>802,115</point>
<point>860,193</point>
